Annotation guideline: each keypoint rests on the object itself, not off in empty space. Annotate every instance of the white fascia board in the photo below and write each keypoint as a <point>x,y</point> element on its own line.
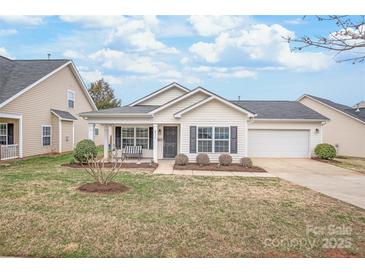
<point>151,95</point>
<point>324,104</point>
<point>10,116</point>
<point>290,120</point>
<point>34,84</point>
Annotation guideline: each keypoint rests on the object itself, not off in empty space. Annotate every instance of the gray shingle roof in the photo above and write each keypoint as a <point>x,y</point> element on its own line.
<point>15,75</point>
<point>280,110</point>
<point>124,110</point>
<point>346,109</point>
<point>64,114</point>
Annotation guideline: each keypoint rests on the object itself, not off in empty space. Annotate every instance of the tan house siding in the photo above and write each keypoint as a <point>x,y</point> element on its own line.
<point>163,97</point>
<point>55,134</point>
<point>67,136</point>
<point>35,106</point>
<point>341,130</point>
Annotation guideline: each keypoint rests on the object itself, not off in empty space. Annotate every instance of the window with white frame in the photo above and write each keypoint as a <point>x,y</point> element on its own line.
<point>3,134</point>
<point>96,132</point>
<point>71,99</point>
<point>127,137</point>
<point>221,139</point>
<point>205,139</point>
<point>142,137</point>
<point>213,139</point>
<point>46,135</point>
<point>135,136</point>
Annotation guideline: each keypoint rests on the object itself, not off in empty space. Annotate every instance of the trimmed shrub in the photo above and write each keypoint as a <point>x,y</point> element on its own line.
<point>85,149</point>
<point>325,151</point>
<point>246,162</point>
<point>225,159</point>
<point>181,160</point>
<point>202,159</point>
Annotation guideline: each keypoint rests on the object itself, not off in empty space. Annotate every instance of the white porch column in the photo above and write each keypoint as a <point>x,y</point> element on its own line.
<point>155,142</point>
<point>106,141</point>
<point>59,135</point>
<point>91,134</point>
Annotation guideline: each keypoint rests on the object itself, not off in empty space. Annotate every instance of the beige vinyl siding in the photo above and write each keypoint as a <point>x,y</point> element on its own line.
<point>55,134</point>
<point>35,106</point>
<point>163,97</point>
<point>314,139</point>
<point>167,115</point>
<point>214,114</point>
<point>67,136</point>
<point>16,127</point>
<point>341,130</point>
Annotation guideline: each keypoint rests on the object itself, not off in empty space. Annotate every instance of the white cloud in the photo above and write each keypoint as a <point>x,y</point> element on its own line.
<point>22,19</point>
<point>264,43</point>
<point>72,54</point>
<point>140,66</point>
<point>225,72</point>
<point>7,32</point>
<point>5,53</point>
<point>94,21</point>
<point>214,25</point>
<point>93,75</point>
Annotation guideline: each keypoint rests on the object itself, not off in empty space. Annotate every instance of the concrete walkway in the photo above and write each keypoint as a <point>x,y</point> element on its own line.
<point>339,183</point>
<point>167,167</point>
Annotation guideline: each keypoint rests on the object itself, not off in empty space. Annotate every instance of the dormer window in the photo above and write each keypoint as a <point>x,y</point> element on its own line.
<point>71,99</point>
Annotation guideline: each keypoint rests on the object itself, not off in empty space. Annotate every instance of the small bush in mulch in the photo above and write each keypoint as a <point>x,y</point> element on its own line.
<point>325,151</point>
<point>246,162</point>
<point>103,188</point>
<point>326,160</point>
<point>181,159</point>
<point>202,159</point>
<point>216,167</point>
<point>225,159</point>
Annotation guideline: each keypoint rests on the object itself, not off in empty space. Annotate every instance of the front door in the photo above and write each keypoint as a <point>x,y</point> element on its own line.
<point>169,142</point>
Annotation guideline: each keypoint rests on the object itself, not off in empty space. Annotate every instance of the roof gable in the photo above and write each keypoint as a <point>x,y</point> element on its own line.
<point>19,76</point>
<point>209,93</point>
<point>159,92</point>
<point>344,109</point>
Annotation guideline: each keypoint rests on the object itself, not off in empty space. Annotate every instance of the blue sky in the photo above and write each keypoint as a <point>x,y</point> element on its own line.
<point>231,55</point>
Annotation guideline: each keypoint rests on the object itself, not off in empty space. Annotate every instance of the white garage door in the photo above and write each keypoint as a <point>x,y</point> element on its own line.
<point>278,143</point>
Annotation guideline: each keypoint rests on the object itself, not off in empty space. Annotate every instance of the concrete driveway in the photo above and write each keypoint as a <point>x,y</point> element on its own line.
<point>339,183</point>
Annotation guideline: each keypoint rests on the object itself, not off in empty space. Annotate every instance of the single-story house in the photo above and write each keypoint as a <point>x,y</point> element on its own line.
<point>39,105</point>
<point>175,120</point>
<point>346,128</point>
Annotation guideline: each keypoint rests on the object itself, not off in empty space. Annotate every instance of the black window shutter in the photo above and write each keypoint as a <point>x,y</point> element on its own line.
<point>233,139</point>
<point>10,134</point>
<point>192,139</point>
<point>151,137</point>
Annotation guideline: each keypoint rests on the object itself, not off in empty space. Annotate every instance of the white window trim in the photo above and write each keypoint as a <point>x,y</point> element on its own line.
<point>213,139</point>
<point>50,135</point>
<point>6,132</point>
<point>135,136</point>
<point>71,99</point>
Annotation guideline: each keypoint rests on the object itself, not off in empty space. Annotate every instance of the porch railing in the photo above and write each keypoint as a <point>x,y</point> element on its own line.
<point>9,152</point>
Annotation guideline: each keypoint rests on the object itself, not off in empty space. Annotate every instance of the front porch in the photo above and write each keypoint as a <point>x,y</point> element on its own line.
<point>158,141</point>
<point>11,136</point>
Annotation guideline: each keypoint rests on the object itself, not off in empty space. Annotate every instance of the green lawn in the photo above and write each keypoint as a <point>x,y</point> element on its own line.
<point>43,215</point>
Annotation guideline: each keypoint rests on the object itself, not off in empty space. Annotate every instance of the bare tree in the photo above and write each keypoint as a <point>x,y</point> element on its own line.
<point>348,38</point>
<point>102,175</point>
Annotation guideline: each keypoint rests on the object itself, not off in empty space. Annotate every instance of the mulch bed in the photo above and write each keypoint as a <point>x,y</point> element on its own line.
<point>216,167</point>
<point>326,161</point>
<point>110,165</point>
<point>101,188</point>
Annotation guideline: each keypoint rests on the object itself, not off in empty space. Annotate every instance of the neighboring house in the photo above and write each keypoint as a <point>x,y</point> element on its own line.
<point>39,105</point>
<point>346,128</point>
<point>176,120</point>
